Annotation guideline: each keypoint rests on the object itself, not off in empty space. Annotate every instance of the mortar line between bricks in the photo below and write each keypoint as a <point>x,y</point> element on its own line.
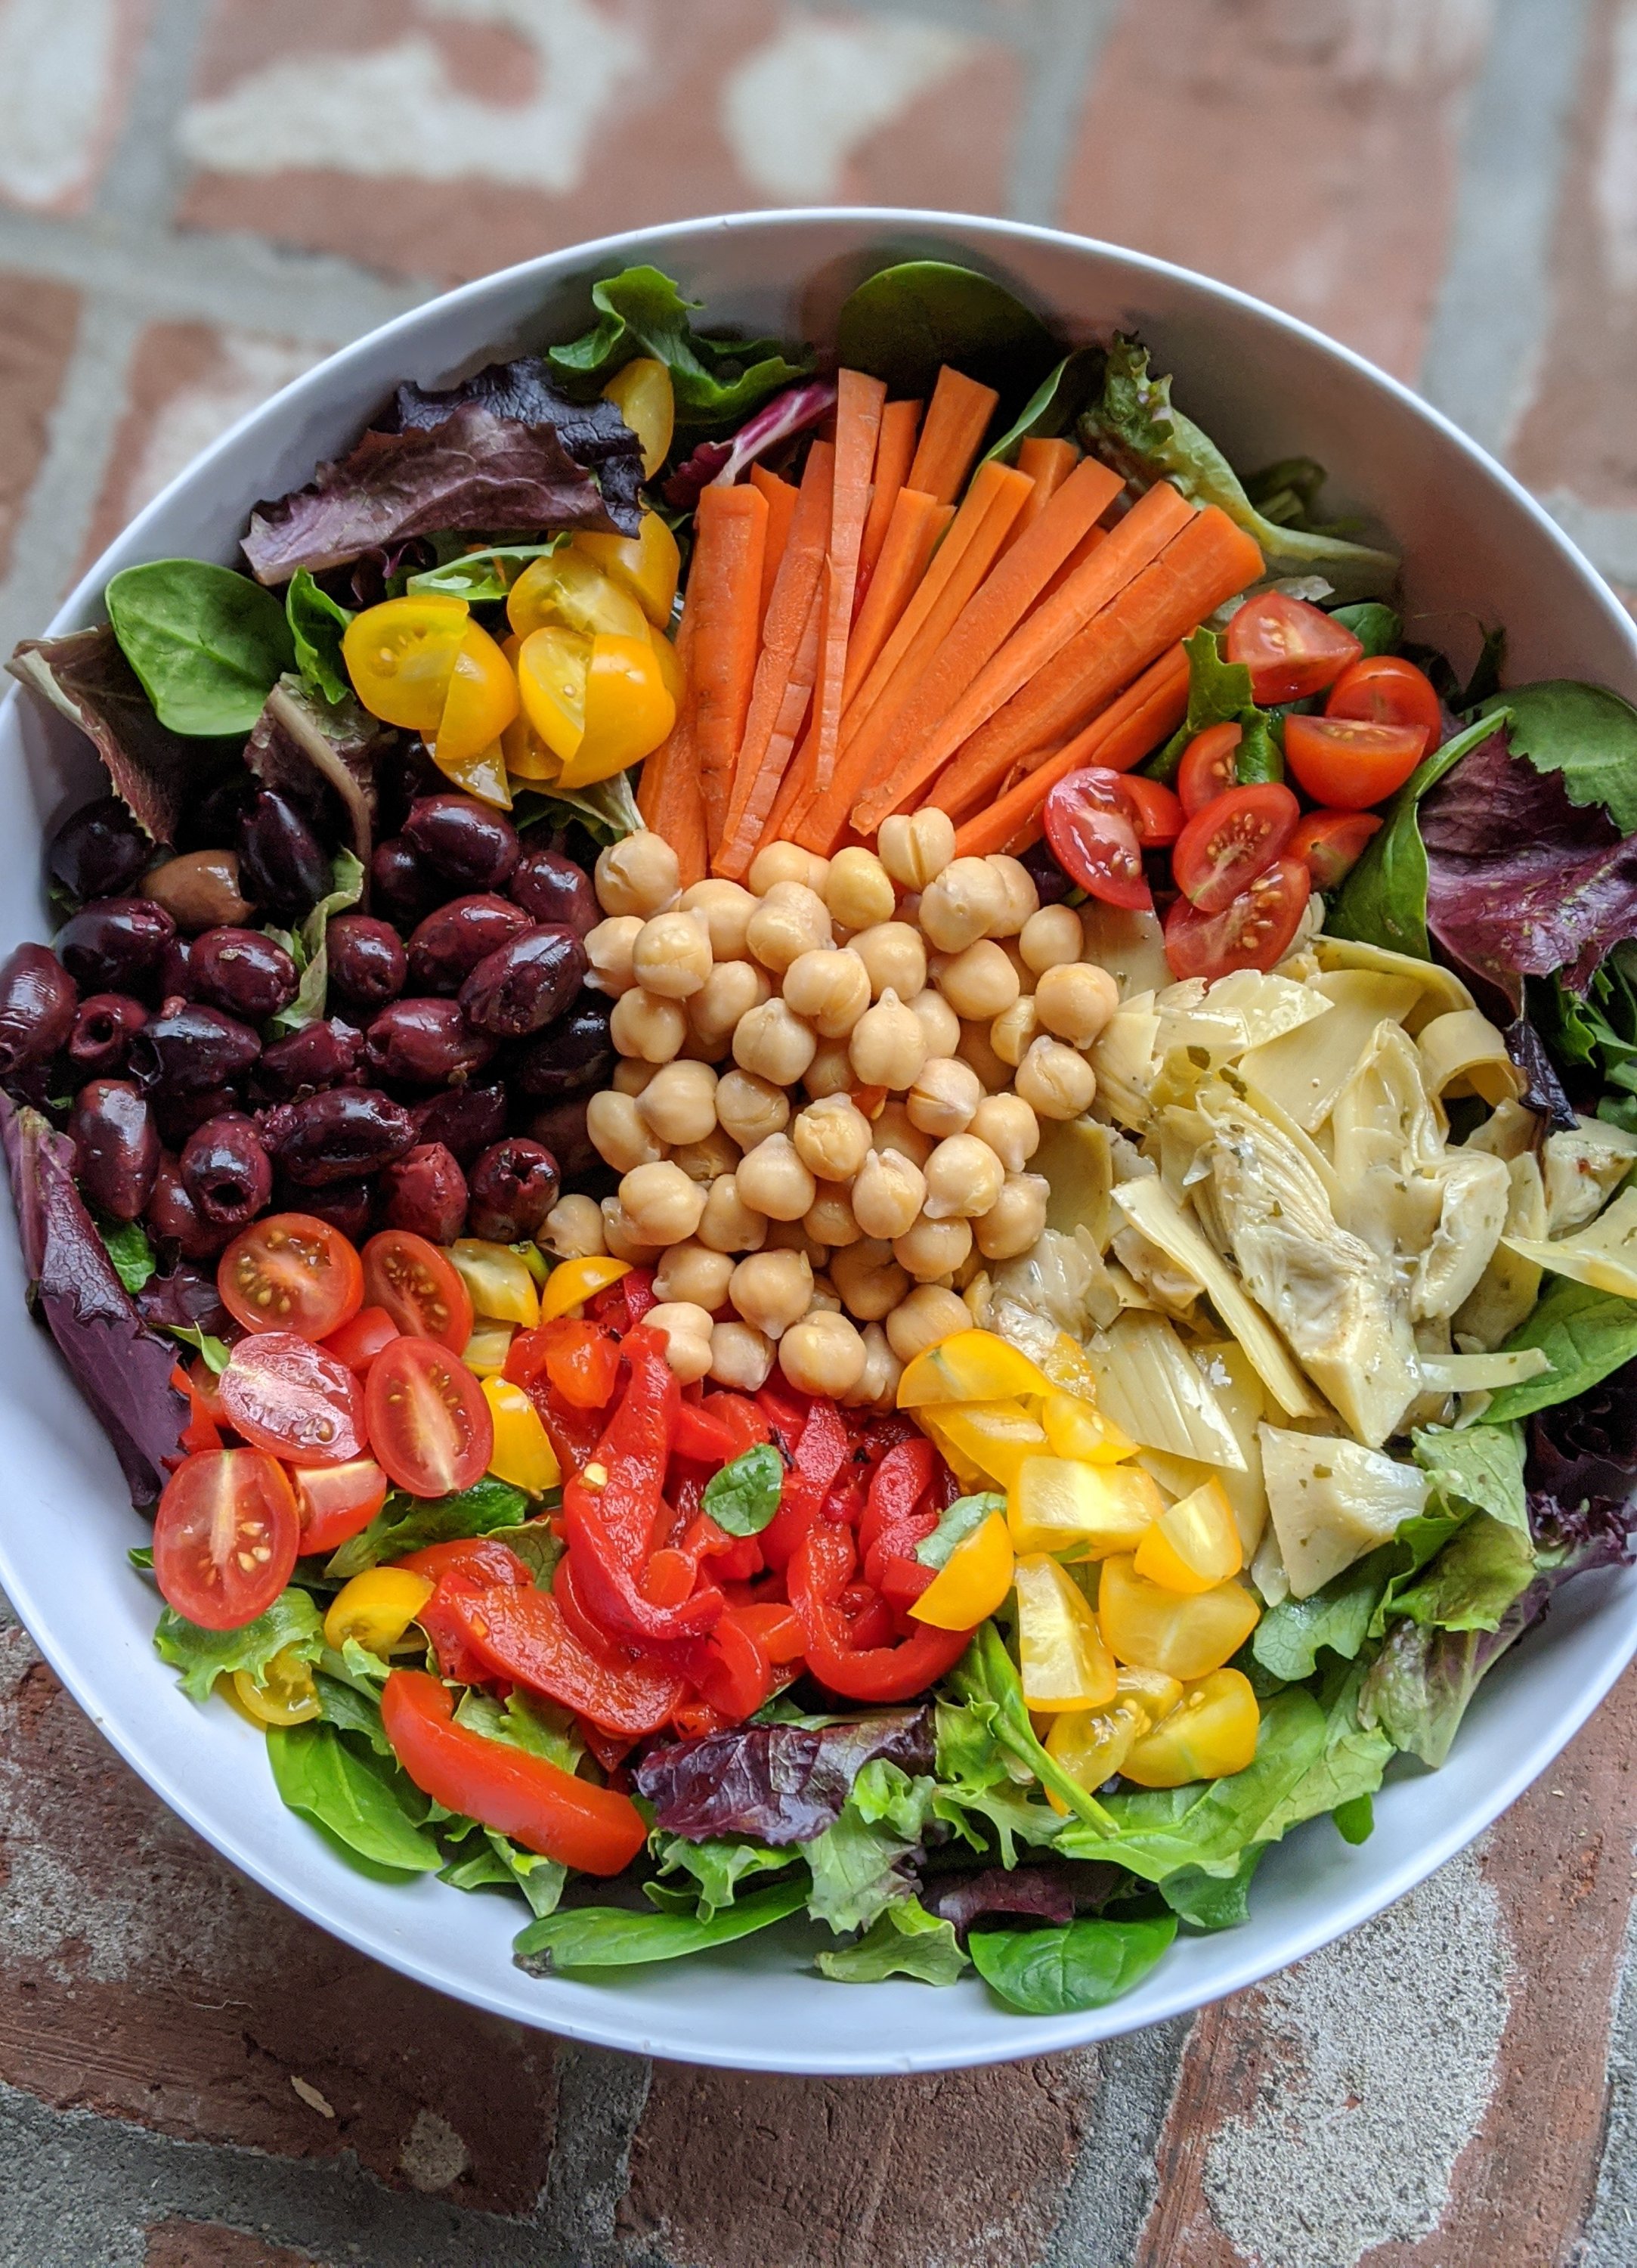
<point>1609,2237</point>
<point>1013,28</point>
<point>1112,2188</point>
<point>145,173</point>
<point>1069,36</point>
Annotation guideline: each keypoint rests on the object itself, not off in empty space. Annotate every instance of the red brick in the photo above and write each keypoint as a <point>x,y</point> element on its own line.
<point>140,1976</point>
<point>38,320</point>
<point>197,2244</point>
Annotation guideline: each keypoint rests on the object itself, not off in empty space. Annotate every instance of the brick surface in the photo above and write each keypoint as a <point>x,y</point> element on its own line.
<point>38,320</point>
<point>191,2244</point>
<point>65,76</point>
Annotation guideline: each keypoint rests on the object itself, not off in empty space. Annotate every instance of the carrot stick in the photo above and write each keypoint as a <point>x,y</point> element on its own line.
<point>1089,542</point>
<point>740,848</point>
<point>781,497</point>
<point>859,404</point>
<point>724,601</point>
<point>986,622</point>
<point>894,448</point>
<point>1145,714</point>
<point>669,794</point>
<point>917,522</point>
<point>1048,465</point>
<point>1209,561</point>
<point>798,578</point>
<point>957,421</point>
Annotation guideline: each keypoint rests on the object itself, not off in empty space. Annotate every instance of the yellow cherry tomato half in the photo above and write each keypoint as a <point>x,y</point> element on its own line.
<point>286,1695</point>
<point>969,1367</point>
<point>972,1581</point>
<point>553,665</point>
<point>1192,1546</point>
<point>572,1282</point>
<point>627,709</point>
<point>570,591</point>
<point>484,1353</point>
<point>1210,1733</point>
<point>649,406</point>
<point>1062,1659</point>
<point>480,702</point>
<point>649,566</point>
<point>498,1279</point>
<point>376,1608</point>
<point>1152,1629</point>
<point>527,754</point>
<point>670,663</point>
<point>400,657</point>
<point>523,1454</point>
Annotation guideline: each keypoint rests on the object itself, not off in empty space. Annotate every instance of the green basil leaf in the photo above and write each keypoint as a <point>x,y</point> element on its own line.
<point>744,1496</point>
<point>357,1797</point>
<point>317,625</point>
<point>615,1936</point>
<point>964,1517</point>
<point>207,645</point>
<point>129,1250</point>
<point>407,1523</point>
<point>203,1655</point>
<point>905,1940</point>
<point>1055,1972</point>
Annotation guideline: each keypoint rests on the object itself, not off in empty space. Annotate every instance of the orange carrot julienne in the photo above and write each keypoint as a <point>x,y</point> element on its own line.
<point>917,522</point>
<point>737,851</point>
<point>894,448</point>
<point>860,402</point>
<point>669,794</point>
<point>1090,541</point>
<point>958,417</point>
<point>781,497</point>
<point>725,601</point>
<point>789,607</point>
<point>1048,465</point>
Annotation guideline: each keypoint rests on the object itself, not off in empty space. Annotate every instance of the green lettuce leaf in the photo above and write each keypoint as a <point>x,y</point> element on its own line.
<point>1219,693</point>
<point>307,1008</point>
<point>317,625</point>
<point>1085,1964</point>
<point>1480,1570</point>
<point>985,1680</point>
<point>365,1802</point>
<point>607,812</point>
<point>1586,1334</point>
<point>715,381</point>
<point>717,1865</point>
<point>496,1862</point>
<point>616,1936</point>
<point>1584,732</point>
<point>857,1864</point>
<point>976,1783</point>
<point>201,1656</point>
<point>905,1940</point>
<point>1480,1465</point>
<point>1288,1641</point>
<point>1213,1901</point>
<point>1346,1773</point>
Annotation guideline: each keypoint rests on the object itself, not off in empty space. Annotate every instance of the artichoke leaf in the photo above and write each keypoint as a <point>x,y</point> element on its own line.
<point>1602,1255</point>
<point>1580,1170</point>
<point>1332,1501</point>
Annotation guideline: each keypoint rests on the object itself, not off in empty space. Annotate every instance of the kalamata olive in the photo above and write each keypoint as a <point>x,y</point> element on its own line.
<point>102,1033</point>
<point>338,1135</point>
<point>285,864</point>
<point>186,1296</point>
<point>117,1146</point>
<point>425,1192</point>
<point>176,970</point>
<point>347,1205</point>
<point>116,945</point>
<point>449,943</point>
<point>521,987</point>
<point>473,844</point>
<point>425,1043</point>
<point>464,1119</point>
<point>38,999</point>
<point>175,1222</point>
<point>403,775</point>
<point>511,1188</point>
<point>326,1054</point>
<point>554,889</point>
<point>226,1171</point>
<point>250,976</point>
<point>570,1057</point>
<point>214,820</point>
<point>199,890</point>
<point>188,1047</point>
<point>560,1128</point>
<point>367,961</point>
<point>403,886</point>
<point>178,1117</point>
<point>1047,876</point>
<point>99,851</point>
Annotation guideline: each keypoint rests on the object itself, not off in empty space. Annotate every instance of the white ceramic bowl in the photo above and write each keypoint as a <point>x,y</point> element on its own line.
<point>1264,386</point>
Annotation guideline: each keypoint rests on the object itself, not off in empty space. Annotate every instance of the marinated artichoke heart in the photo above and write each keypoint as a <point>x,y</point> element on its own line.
<point>1331,1501</point>
<point>1582,1170</point>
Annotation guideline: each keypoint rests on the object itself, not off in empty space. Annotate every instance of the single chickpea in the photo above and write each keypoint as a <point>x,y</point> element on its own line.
<point>926,1315</point>
<point>915,848</point>
<point>893,1128</point>
<point>895,955</point>
<point>1075,1001</point>
<point>726,907</point>
<point>1009,1127</point>
<point>693,1272</point>
<point>631,1075</point>
<point>791,1236</point>
<point>608,951</point>
<point>858,889</point>
<point>680,1102</point>
<point>732,989</point>
<point>750,1108</point>
<point>937,1019</point>
<point>829,988</point>
<point>1051,938</point>
<point>787,862</point>
<point>932,1248</point>
<point>662,1204</point>
<point>727,1224</point>
<point>830,1071</point>
<point>790,920</point>
<point>963,1178</point>
<point>672,956</point>
<point>878,1388</point>
<point>1055,1081</point>
<point>977,1049</point>
<point>888,1194</point>
<point>944,1096</point>
<point>619,1134</point>
<point>869,1279</point>
<point>888,1047</point>
<point>740,1357</point>
<point>620,1237</point>
<point>774,1043</point>
<point>1017,884</point>
<point>1016,1220</point>
<point>702,1161</point>
<point>685,1329</point>
<point>832,1137</point>
<point>643,1024</point>
<point>637,875</point>
<point>1012,1035</point>
<point>772,1179</point>
<point>979,983</point>
<point>822,1354</point>
<point>830,1220</point>
<point>967,901</point>
<point>770,1291</point>
<point>573,1229</point>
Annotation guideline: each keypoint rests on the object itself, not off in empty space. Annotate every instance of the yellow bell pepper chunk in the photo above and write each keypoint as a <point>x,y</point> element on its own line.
<point>1074,1429</point>
<point>995,1436</point>
<point>1151,1629</point>
<point>972,1581</point>
<point>1192,1546</point>
<point>484,1352</point>
<point>498,1279</point>
<point>1063,1658</point>
<point>969,1367</point>
<point>1057,1504</point>
<point>523,1453</point>
<point>572,1282</point>
<point>376,1608</point>
<point>1210,1733</point>
<point>286,1695</point>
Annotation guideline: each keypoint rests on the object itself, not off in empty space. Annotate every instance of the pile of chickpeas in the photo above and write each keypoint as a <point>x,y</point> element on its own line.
<point>831,1084</point>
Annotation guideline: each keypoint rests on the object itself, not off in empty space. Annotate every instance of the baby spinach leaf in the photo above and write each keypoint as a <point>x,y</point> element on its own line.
<point>203,1655</point>
<point>718,1865</point>
<point>407,1523</point>
<point>964,1518</point>
<point>129,1250</point>
<point>1287,1640</point>
<point>905,1940</point>
<point>744,1496</point>
<point>1586,1335</point>
<point>1584,732</point>
<point>317,625</point>
<point>1213,1901</point>
<point>1055,1972</point>
<point>1383,899</point>
<point>715,381</point>
<point>363,1802</point>
<point>351,1703</point>
<point>209,645</point>
<point>1347,1769</point>
<point>482,577</point>
<point>617,1937</point>
<point>1054,406</point>
<point>905,323</point>
<point>1377,627</point>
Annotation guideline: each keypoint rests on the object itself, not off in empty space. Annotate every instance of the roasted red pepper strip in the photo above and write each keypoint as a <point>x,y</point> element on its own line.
<point>545,1808</point>
<point>522,1635</point>
<point>820,1572</point>
<point>480,1559</point>
<point>899,1515</point>
<point>822,1454</point>
<point>202,1430</point>
<point>700,1436</point>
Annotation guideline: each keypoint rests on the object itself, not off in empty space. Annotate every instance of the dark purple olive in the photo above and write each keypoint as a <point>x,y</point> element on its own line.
<point>117,1146</point>
<point>425,1043</point>
<point>1046,875</point>
<point>250,976</point>
<point>512,1188</point>
<point>326,1054</point>
<point>367,961</point>
<point>175,1222</point>
<point>116,945</point>
<point>402,885</point>
<point>103,1030</point>
<point>226,1171</point>
<point>38,1000</point>
<point>200,890</point>
<point>336,1137</point>
<point>561,1129</point>
<point>550,886</point>
<point>425,1192</point>
<point>346,1205</point>
<point>463,1119</point>
<point>404,773</point>
<point>187,1048</point>
<point>176,970</point>
<point>474,845</point>
<point>569,1056</point>
<point>214,818</point>
<point>186,1296</point>
<point>178,1117</point>
<point>284,864</point>
<point>524,986</point>
<point>99,851</point>
<point>449,943</point>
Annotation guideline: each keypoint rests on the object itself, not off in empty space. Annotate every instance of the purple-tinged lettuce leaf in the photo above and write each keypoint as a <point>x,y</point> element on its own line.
<point>186,1299</point>
<point>781,1784</point>
<point>717,464</point>
<point>1585,1450</point>
<point>1544,1090</point>
<point>1054,1891</point>
<point>122,1368</point>
<point>593,433</point>
<point>302,745</point>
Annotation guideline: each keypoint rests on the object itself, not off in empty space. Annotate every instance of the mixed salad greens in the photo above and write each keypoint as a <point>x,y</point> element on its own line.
<point>841,1152</point>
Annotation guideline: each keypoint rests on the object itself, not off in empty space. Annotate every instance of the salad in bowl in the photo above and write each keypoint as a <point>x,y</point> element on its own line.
<point>835,1145</point>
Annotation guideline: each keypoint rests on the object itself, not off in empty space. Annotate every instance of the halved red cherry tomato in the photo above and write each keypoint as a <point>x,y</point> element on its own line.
<point>225,1537</point>
<point>1235,836</point>
<point>360,1339</point>
<point>1254,931</point>
<point>429,1422</point>
<point>1209,766</point>
<point>1095,845</point>
<point>419,1289</point>
<point>1384,689</point>
<point>287,1396</point>
<point>1348,764</point>
<point>1290,648</point>
<point>337,1501</point>
<point>290,1271</point>
<point>1331,842</point>
<point>1156,813</point>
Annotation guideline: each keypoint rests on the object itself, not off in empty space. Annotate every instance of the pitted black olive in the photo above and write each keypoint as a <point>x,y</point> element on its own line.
<point>549,886</point>
<point>188,1047</point>
<point>104,1027</point>
<point>284,861</point>
<point>561,1129</point>
<point>524,986</point>
<point>425,1043</point>
<point>326,1054</point>
<point>510,1190</point>
<point>226,1171</point>
<point>403,885</point>
<point>38,1001</point>
<point>425,1192</point>
<point>200,890</point>
<point>116,945</point>
<point>117,1146</point>
<point>347,1205</point>
<point>179,1116</point>
<point>475,845</point>
<point>570,1057</point>
<point>250,976</point>
<point>448,944</point>
<point>175,1222</point>
<point>99,851</point>
<point>1046,875</point>
<point>465,1119</point>
<point>367,962</point>
<point>340,1136</point>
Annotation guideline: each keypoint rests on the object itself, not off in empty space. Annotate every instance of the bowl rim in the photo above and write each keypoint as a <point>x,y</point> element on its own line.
<point>615,2019</point>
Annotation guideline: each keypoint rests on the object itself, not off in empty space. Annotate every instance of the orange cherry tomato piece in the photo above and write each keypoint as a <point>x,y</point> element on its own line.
<point>1348,764</point>
<point>429,1425</point>
<point>419,1288</point>
<point>225,1537</point>
<point>1290,648</point>
<point>290,1271</point>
